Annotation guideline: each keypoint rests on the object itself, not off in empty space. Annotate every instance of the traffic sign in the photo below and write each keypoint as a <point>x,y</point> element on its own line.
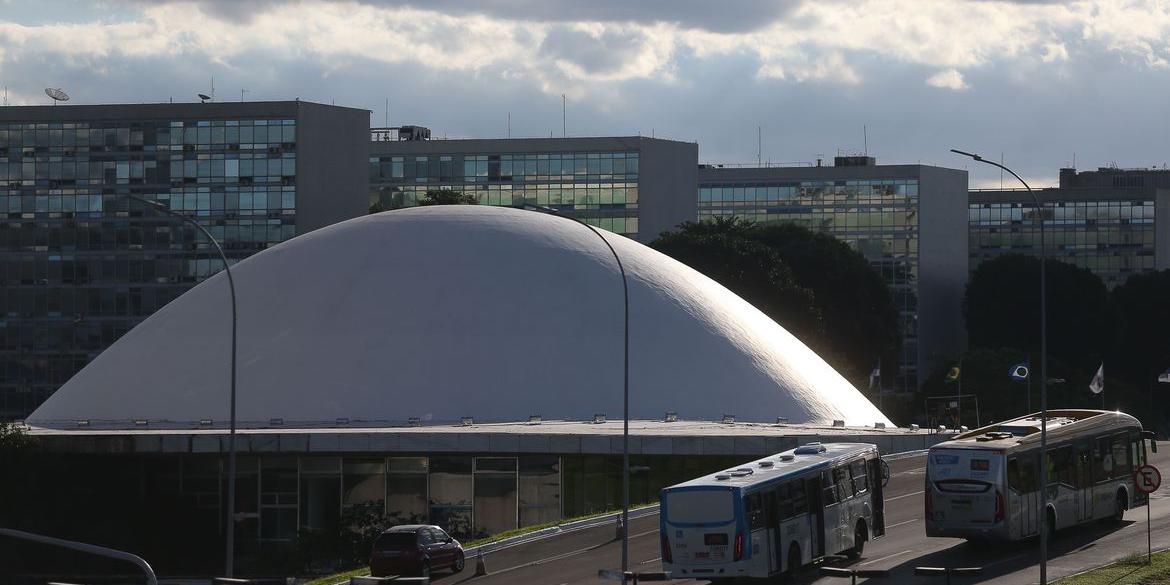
<point>1147,479</point>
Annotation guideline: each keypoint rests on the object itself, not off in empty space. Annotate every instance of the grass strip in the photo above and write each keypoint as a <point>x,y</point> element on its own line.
<point>1131,570</point>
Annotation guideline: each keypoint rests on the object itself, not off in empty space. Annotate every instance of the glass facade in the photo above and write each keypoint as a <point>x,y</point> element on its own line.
<point>1113,238</point>
<point>876,217</point>
<point>600,188</point>
<point>80,264</point>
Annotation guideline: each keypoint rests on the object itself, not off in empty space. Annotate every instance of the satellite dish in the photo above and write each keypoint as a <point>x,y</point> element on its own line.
<point>56,94</point>
<point>203,97</point>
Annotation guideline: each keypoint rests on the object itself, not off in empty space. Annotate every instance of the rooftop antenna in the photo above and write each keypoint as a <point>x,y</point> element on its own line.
<point>242,92</point>
<point>865,139</point>
<point>56,94</point>
<point>6,95</point>
<point>759,145</point>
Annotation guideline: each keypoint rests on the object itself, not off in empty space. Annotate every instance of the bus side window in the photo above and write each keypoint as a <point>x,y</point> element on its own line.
<point>1029,478</point>
<point>1103,459</point>
<point>1013,475</point>
<point>799,498</point>
<point>754,505</point>
<point>1121,466</point>
<point>857,469</point>
<point>828,489</point>
<point>844,486</point>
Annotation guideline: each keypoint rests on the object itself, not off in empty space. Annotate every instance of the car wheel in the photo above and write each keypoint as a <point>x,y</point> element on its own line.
<point>859,535</point>
<point>459,562</point>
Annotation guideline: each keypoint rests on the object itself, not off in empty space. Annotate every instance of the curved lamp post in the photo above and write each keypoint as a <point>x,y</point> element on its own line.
<point>625,384</point>
<point>229,554</point>
<point>1043,368</point>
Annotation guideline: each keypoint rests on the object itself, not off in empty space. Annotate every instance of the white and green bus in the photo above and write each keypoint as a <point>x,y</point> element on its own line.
<point>985,484</point>
<point>773,515</point>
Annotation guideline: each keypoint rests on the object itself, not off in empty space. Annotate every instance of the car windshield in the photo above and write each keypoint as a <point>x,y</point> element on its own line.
<point>395,541</point>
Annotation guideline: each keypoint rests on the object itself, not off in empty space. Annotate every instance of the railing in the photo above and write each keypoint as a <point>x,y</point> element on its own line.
<point>93,549</point>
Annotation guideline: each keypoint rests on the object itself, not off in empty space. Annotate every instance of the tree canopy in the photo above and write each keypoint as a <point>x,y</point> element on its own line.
<point>447,197</point>
<point>817,287</point>
<point>1002,309</point>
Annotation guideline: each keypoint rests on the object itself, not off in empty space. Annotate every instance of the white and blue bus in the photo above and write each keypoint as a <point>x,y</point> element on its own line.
<point>774,515</point>
<point>985,484</point>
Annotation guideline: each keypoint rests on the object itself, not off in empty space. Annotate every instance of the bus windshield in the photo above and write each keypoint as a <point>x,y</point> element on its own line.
<point>700,507</point>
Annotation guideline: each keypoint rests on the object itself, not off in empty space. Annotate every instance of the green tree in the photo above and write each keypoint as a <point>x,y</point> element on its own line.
<point>1143,348</point>
<point>860,317</point>
<point>447,197</point>
<point>747,268</point>
<point>1002,309</point>
<point>844,312</point>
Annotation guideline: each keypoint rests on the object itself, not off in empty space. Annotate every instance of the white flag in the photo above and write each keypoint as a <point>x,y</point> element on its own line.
<point>1098,383</point>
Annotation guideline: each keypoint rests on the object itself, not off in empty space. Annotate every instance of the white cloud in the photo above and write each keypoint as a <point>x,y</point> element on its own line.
<point>949,79</point>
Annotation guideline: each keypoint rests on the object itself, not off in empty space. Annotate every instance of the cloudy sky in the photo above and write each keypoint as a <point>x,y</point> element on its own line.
<point>1036,82</point>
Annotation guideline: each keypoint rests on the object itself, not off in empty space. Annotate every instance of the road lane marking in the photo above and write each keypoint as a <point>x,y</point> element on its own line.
<point>905,496</point>
<point>901,523</point>
<point>655,531</point>
<point>653,560</point>
<point>878,560</point>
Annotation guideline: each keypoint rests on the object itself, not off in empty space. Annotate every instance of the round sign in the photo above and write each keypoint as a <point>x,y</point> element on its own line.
<point>1147,479</point>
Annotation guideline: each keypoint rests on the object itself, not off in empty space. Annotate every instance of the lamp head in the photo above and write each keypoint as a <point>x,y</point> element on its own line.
<point>964,153</point>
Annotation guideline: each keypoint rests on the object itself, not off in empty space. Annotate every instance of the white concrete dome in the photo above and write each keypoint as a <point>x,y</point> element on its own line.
<point>451,311</point>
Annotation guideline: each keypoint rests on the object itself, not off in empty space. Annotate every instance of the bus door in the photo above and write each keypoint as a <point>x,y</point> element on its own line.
<point>1023,495</point>
<point>1084,481</point>
<point>877,475</point>
<point>816,506</point>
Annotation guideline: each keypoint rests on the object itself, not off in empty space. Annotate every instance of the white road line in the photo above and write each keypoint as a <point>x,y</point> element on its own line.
<point>904,496</point>
<point>653,560</point>
<point>880,559</point>
<point>655,531</point>
<point>901,523</point>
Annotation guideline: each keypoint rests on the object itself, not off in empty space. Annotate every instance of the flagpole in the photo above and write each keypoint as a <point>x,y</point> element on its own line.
<point>1028,379</point>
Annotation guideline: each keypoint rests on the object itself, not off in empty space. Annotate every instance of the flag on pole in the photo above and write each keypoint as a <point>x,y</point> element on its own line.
<point>1097,385</point>
<point>953,375</point>
<point>1019,371</point>
<point>1164,377</point>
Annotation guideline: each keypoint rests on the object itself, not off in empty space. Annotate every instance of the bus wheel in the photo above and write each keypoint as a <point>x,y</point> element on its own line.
<point>859,536</point>
<point>1050,524</point>
<point>1120,507</point>
<point>794,563</point>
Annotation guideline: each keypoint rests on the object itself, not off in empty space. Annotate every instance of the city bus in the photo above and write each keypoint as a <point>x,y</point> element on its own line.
<point>985,484</point>
<point>774,515</point>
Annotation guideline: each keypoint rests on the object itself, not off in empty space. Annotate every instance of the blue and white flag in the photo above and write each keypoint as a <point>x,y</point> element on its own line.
<point>1164,377</point>
<point>1097,385</point>
<point>1019,371</point>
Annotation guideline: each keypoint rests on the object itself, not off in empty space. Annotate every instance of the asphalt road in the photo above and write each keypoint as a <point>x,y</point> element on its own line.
<point>576,557</point>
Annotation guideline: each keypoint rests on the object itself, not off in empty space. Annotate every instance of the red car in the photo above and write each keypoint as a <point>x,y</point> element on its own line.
<point>415,549</point>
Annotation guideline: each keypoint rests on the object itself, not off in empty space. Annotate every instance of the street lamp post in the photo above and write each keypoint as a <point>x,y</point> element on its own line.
<point>1043,366</point>
<point>229,554</point>
<point>625,384</point>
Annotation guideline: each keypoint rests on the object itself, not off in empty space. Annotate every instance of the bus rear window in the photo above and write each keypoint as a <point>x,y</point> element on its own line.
<point>699,507</point>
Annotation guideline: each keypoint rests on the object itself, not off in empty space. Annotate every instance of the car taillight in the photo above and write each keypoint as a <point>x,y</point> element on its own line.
<point>738,546</point>
<point>998,506</point>
<point>666,557</point>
